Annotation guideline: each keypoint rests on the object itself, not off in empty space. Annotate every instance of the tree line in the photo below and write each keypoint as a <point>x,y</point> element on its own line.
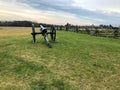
<point>29,23</point>
<point>21,23</point>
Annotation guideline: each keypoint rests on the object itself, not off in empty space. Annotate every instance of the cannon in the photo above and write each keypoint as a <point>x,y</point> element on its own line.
<point>44,33</point>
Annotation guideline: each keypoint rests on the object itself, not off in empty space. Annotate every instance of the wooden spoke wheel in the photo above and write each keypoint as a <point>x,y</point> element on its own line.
<point>33,33</point>
<point>53,33</point>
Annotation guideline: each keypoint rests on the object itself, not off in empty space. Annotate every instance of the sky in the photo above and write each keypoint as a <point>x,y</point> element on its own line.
<point>76,12</point>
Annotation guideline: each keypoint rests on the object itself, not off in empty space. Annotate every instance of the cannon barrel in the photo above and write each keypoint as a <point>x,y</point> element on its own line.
<point>43,28</point>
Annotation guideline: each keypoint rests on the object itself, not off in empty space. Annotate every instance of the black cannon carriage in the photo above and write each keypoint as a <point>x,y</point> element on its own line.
<point>44,33</point>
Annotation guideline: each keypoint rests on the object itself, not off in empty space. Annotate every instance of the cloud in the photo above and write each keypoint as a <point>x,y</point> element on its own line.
<point>24,11</point>
<point>109,5</point>
<point>70,6</point>
<point>62,11</point>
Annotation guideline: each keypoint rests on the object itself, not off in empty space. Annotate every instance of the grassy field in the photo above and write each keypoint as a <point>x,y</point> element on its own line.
<point>76,62</point>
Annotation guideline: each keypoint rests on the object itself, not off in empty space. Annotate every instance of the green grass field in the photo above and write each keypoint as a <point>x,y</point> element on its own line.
<point>76,61</point>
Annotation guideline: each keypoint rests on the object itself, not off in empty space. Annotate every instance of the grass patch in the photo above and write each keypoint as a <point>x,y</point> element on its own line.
<point>76,61</point>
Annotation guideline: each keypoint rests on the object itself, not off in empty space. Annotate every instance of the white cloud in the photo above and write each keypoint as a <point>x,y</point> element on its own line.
<point>21,11</point>
<point>61,11</point>
<point>108,5</point>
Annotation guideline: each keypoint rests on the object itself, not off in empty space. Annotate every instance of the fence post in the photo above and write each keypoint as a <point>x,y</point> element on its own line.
<point>66,28</point>
<point>116,33</point>
<point>61,27</point>
<point>87,30</point>
<point>57,27</point>
<point>96,31</point>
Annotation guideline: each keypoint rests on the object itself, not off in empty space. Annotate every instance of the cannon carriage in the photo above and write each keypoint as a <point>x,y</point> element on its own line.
<point>44,32</point>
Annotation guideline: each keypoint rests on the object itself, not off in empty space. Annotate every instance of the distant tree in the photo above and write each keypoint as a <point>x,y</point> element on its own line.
<point>110,26</point>
<point>67,26</point>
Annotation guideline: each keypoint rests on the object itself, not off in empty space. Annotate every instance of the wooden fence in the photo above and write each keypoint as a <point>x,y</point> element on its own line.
<point>94,31</point>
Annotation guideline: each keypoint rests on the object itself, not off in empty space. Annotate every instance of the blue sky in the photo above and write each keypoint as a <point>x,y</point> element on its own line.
<point>77,12</point>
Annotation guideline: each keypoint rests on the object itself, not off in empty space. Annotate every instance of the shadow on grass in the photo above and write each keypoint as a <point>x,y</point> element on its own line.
<point>18,65</point>
<point>38,85</point>
<point>12,88</point>
<point>54,85</point>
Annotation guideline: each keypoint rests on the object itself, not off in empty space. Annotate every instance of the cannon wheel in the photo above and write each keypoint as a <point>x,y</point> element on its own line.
<point>53,33</point>
<point>33,33</point>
